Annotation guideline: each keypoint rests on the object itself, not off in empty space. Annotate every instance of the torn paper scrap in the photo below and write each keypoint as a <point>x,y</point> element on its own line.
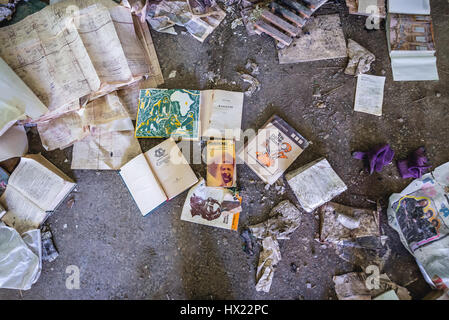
<point>360,59</point>
<point>284,219</point>
<point>268,259</point>
<point>323,39</point>
<point>105,150</point>
<point>420,214</point>
<point>13,143</point>
<point>200,21</point>
<point>20,258</point>
<point>369,94</point>
<point>49,252</point>
<point>357,286</point>
<point>339,222</point>
<point>315,184</point>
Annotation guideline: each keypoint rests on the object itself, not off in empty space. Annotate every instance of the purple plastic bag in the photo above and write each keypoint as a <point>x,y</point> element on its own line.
<point>377,158</point>
<point>414,166</point>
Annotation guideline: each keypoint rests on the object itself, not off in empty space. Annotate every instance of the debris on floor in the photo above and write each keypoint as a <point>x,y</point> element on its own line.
<point>20,258</point>
<point>360,59</point>
<point>49,252</point>
<point>415,165</point>
<point>268,259</point>
<point>249,241</point>
<point>353,286</point>
<point>315,184</point>
<point>367,7</point>
<point>200,17</point>
<point>322,39</point>
<point>7,9</point>
<point>369,94</point>
<point>420,214</point>
<point>375,159</point>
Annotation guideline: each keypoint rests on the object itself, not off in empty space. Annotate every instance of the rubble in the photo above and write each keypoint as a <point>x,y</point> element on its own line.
<point>360,59</point>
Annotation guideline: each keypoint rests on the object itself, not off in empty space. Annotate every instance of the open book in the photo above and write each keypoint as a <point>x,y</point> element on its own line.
<point>411,40</point>
<point>273,150</point>
<point>189,114</point>
<point>35,187</point>
<point>157,175</point>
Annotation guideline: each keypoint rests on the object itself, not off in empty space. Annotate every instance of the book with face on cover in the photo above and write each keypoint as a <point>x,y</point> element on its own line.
<point>216,207</point>
<point>221,164</point>
<point>273,149</point>
<point>157,175</point>
<point>189,114</point>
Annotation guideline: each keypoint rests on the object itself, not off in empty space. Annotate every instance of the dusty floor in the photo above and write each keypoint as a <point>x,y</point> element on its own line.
<point>122,255</point>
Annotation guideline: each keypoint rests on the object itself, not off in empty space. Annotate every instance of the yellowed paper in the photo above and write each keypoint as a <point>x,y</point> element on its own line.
<point>105,150</point>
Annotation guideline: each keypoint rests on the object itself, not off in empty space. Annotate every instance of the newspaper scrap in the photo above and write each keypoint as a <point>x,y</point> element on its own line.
<point>360,59</point>
<point>420,214</point>
<point>13,143</point>
<point>268,259</point>
<point>49,252</point>
<point>369,94</point>
<point>315,184</point>
<point>284,220</point>
<point>339,223</point>
<point>200,18</point>
<point>20,258</point>
<point>353,286</point>
<point>212,206</point>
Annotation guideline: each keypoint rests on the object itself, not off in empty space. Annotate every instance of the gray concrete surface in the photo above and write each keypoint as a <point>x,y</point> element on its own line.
<point>122,255</point>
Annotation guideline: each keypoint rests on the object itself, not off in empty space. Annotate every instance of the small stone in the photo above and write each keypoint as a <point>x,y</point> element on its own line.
<point>293,267</point>
<point>172,74</point>
<point>437,94</point>
<point>64,226</point>
<point>309,285</point>
<point>321,105</point>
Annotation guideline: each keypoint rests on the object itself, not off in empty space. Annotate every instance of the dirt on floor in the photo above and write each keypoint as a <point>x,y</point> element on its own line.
<point>122,255</point>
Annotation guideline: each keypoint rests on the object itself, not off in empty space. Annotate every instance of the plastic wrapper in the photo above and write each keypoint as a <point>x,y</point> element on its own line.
<point>420,214</point>
<point>20,258</point>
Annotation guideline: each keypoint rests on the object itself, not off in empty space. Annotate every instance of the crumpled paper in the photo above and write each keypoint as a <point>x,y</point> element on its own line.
<point>376,158</point>
<point>360,59</point>
<point>268,259</point>
<point>284,219</point>
<point>200,18</point>
<point>20,258</point>
<point>414,166</point>
<point>353,286</point>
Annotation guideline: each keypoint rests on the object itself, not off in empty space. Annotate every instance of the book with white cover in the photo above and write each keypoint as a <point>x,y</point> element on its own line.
<point>409,6</point>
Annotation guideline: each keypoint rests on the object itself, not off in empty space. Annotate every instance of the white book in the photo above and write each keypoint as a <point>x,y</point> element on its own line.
<point>409,6</point>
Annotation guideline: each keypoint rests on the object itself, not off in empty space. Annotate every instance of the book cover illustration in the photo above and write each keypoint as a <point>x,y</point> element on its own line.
<point>274,149</point>
<point>217,207</point>
<point>221,163</point>
<point>168,113</point>
<point>411,32</point>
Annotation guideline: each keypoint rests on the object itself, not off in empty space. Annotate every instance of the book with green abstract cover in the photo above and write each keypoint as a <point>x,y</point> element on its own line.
<point>168,113</point>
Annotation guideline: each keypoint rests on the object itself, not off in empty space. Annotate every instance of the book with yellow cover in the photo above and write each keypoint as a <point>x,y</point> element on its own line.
<point>221,164</point>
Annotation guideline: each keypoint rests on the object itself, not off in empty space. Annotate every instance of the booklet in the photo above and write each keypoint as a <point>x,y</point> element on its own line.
<point>157,175</point>
<point>273,149</point>
<point>217,207</point>
<point>221,164</point>
<point>35,187</point>
<point>189,114</point>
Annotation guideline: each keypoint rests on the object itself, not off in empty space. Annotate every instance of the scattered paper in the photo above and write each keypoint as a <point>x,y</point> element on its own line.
<point>369,94</point>
<point>268,259</point>
<point>13,143</point>
<point>360,59</point>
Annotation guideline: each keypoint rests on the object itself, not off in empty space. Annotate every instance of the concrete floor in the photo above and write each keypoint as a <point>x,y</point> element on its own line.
<point>122,255</point>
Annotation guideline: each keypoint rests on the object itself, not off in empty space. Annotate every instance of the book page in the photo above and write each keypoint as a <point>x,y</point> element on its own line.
<point>409,6</point>
<point>38,182</point>
<point>414,68</point>
<point>171,168</point>
<point>22,214</point>
<point>105,150</point>
<point>46,51</point>
<point>223,114</point>
<point>369,94</point>
<point>142,184</point>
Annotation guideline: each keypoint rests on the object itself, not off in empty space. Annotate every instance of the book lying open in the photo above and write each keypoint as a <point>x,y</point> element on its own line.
<point>411,40</point>
<point>157,175</point>
<point>189,114</point>
<point>273,149</point>
<point>35,187</point>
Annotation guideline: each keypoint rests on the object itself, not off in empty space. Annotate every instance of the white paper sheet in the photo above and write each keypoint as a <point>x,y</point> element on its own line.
<point>13,143</point>
<point>409,6</point>
<point>369,94</point>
